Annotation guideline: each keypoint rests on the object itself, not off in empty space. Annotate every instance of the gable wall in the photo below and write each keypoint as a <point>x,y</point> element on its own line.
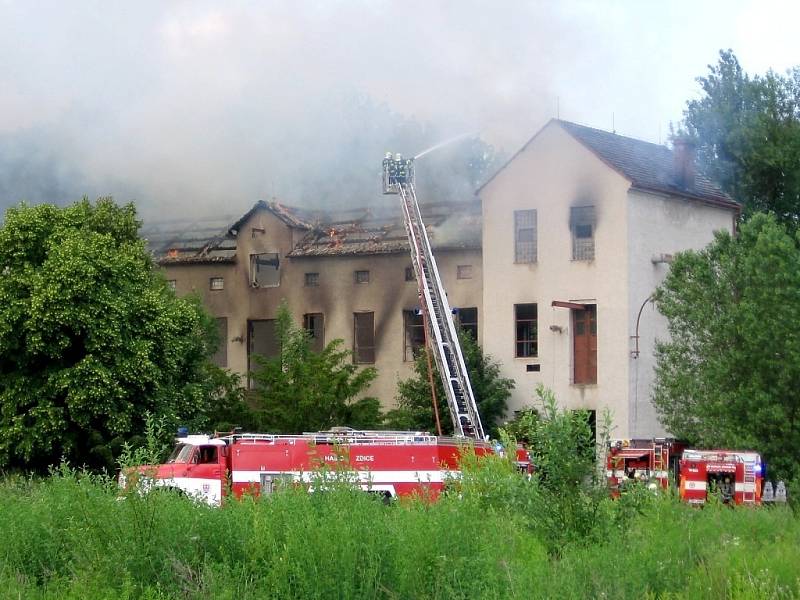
<point>554,173</point>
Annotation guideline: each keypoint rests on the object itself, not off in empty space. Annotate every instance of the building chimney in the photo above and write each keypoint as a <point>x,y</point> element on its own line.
<point>683,153</point>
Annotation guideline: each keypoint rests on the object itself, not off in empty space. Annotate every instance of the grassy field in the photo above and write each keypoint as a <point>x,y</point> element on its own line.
<point>71,536</point>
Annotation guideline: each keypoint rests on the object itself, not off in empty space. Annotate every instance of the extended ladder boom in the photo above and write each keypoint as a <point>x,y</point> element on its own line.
<point>398,178</point>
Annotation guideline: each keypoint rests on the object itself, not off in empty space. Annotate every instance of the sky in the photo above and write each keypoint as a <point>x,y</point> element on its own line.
<point>203,108</point>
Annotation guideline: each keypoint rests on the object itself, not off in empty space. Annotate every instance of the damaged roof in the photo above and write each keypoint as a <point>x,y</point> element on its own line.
<point>358,231</point>
<point>648,166</point>
<point>199,241</point>
<point>450,226</point>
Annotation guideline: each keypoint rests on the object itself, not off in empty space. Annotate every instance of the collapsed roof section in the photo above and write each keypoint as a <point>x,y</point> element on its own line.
<point>345,232</point>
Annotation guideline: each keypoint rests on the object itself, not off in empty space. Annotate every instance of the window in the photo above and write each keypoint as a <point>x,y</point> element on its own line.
<point>414,334</point>
<point>464,272</point>
<point>262,340</point>
<point>364,337</point>
<point>581,223</point>
<point>410,276</point>
<point>216,283</point>
<point>584,345</point>
<point>314,324</point>
<point>206,455</point>
<point>220,357</point>
<point>312,279</point>
<point>171,284</point>
<point>362,276</point>
<point>525,236</point>
<point>468,320</point>
<point>265,270</point>
<point>526,330</point>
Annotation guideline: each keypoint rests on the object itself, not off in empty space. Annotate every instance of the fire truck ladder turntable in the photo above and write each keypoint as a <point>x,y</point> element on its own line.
<point>398,178</point>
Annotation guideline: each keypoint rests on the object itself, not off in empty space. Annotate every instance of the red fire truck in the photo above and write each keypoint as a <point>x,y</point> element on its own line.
<point>646,460</point>
<point>736,476</point>
<point>384,462</point>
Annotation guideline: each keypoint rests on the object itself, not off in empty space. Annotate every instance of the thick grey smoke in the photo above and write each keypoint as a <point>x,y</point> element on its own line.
<point>206,107</point>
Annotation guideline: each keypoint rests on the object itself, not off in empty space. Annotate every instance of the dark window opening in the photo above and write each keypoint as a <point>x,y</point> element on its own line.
<point>362,276</point>
<point>262,340</point>
<point>312,279</point>
<point>468,320</point>
<point>220,357</point>
<point>414,334</point>
<point>525,318</point>
<point>265,270</point>
<point>364,337</point>
<point>410,276</point>
<point>314,324</point>
<point>582,223</point>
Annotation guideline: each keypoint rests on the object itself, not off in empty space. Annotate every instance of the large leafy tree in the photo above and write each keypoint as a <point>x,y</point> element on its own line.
<point>302,390</point>
<point>730,373</point>
<point>747,130</point>
<point>91,337</point>
<point>414,401</point>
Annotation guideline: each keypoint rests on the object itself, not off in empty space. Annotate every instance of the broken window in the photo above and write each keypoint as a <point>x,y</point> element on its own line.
<point>414,334</point>
<point>525,317</point>
<point>581,223</point>
<point>362,276</point>
<point>262,340</point>
<point>364,337</point>
<point>314,324</point>
<point>525,236</point>
<point>220,357</point>
<point>584,344</point>
<point>264,270</point>
<point>312,279</point>
<point>468,320</point>
<point>464,272</point>
<point>216,283</point>
<point>410,276</point>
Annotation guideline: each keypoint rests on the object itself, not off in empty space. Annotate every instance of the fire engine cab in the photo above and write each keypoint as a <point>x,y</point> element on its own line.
<point>647,461</point>
<point>390,463</point>
<point>736,476</point>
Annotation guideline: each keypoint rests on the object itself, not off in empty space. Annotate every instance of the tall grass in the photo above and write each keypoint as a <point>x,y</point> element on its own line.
<point>71,536</point>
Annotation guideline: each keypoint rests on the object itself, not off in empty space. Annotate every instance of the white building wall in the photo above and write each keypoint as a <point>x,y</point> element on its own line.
<point>552,174</point>
<point>658,224</point>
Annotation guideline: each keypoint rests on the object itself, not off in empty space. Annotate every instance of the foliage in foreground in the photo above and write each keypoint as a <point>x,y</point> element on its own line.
<point>70,536</point>
<point>729,374</point>
<point>91,337</point>
<point>302,390</point>
<point>414,406</point>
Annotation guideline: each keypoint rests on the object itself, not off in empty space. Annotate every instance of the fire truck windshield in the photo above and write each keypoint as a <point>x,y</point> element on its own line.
<point>181,454</point>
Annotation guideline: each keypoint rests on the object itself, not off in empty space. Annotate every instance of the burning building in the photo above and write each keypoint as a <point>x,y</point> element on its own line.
<point>549,269</point>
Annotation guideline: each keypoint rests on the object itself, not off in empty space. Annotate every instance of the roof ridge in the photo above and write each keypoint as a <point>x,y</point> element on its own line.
<point>614,133</point>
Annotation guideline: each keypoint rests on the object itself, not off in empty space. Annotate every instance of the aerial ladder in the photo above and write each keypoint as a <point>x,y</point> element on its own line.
<point>398,178</point>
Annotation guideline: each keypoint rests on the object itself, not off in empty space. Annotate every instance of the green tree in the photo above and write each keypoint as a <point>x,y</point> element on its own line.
<point>415,407</point>
<point>302,390</point>
<point>91,337</point>
<point>730,373</point>
<point>748,135</point>
<point>569,493</point>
